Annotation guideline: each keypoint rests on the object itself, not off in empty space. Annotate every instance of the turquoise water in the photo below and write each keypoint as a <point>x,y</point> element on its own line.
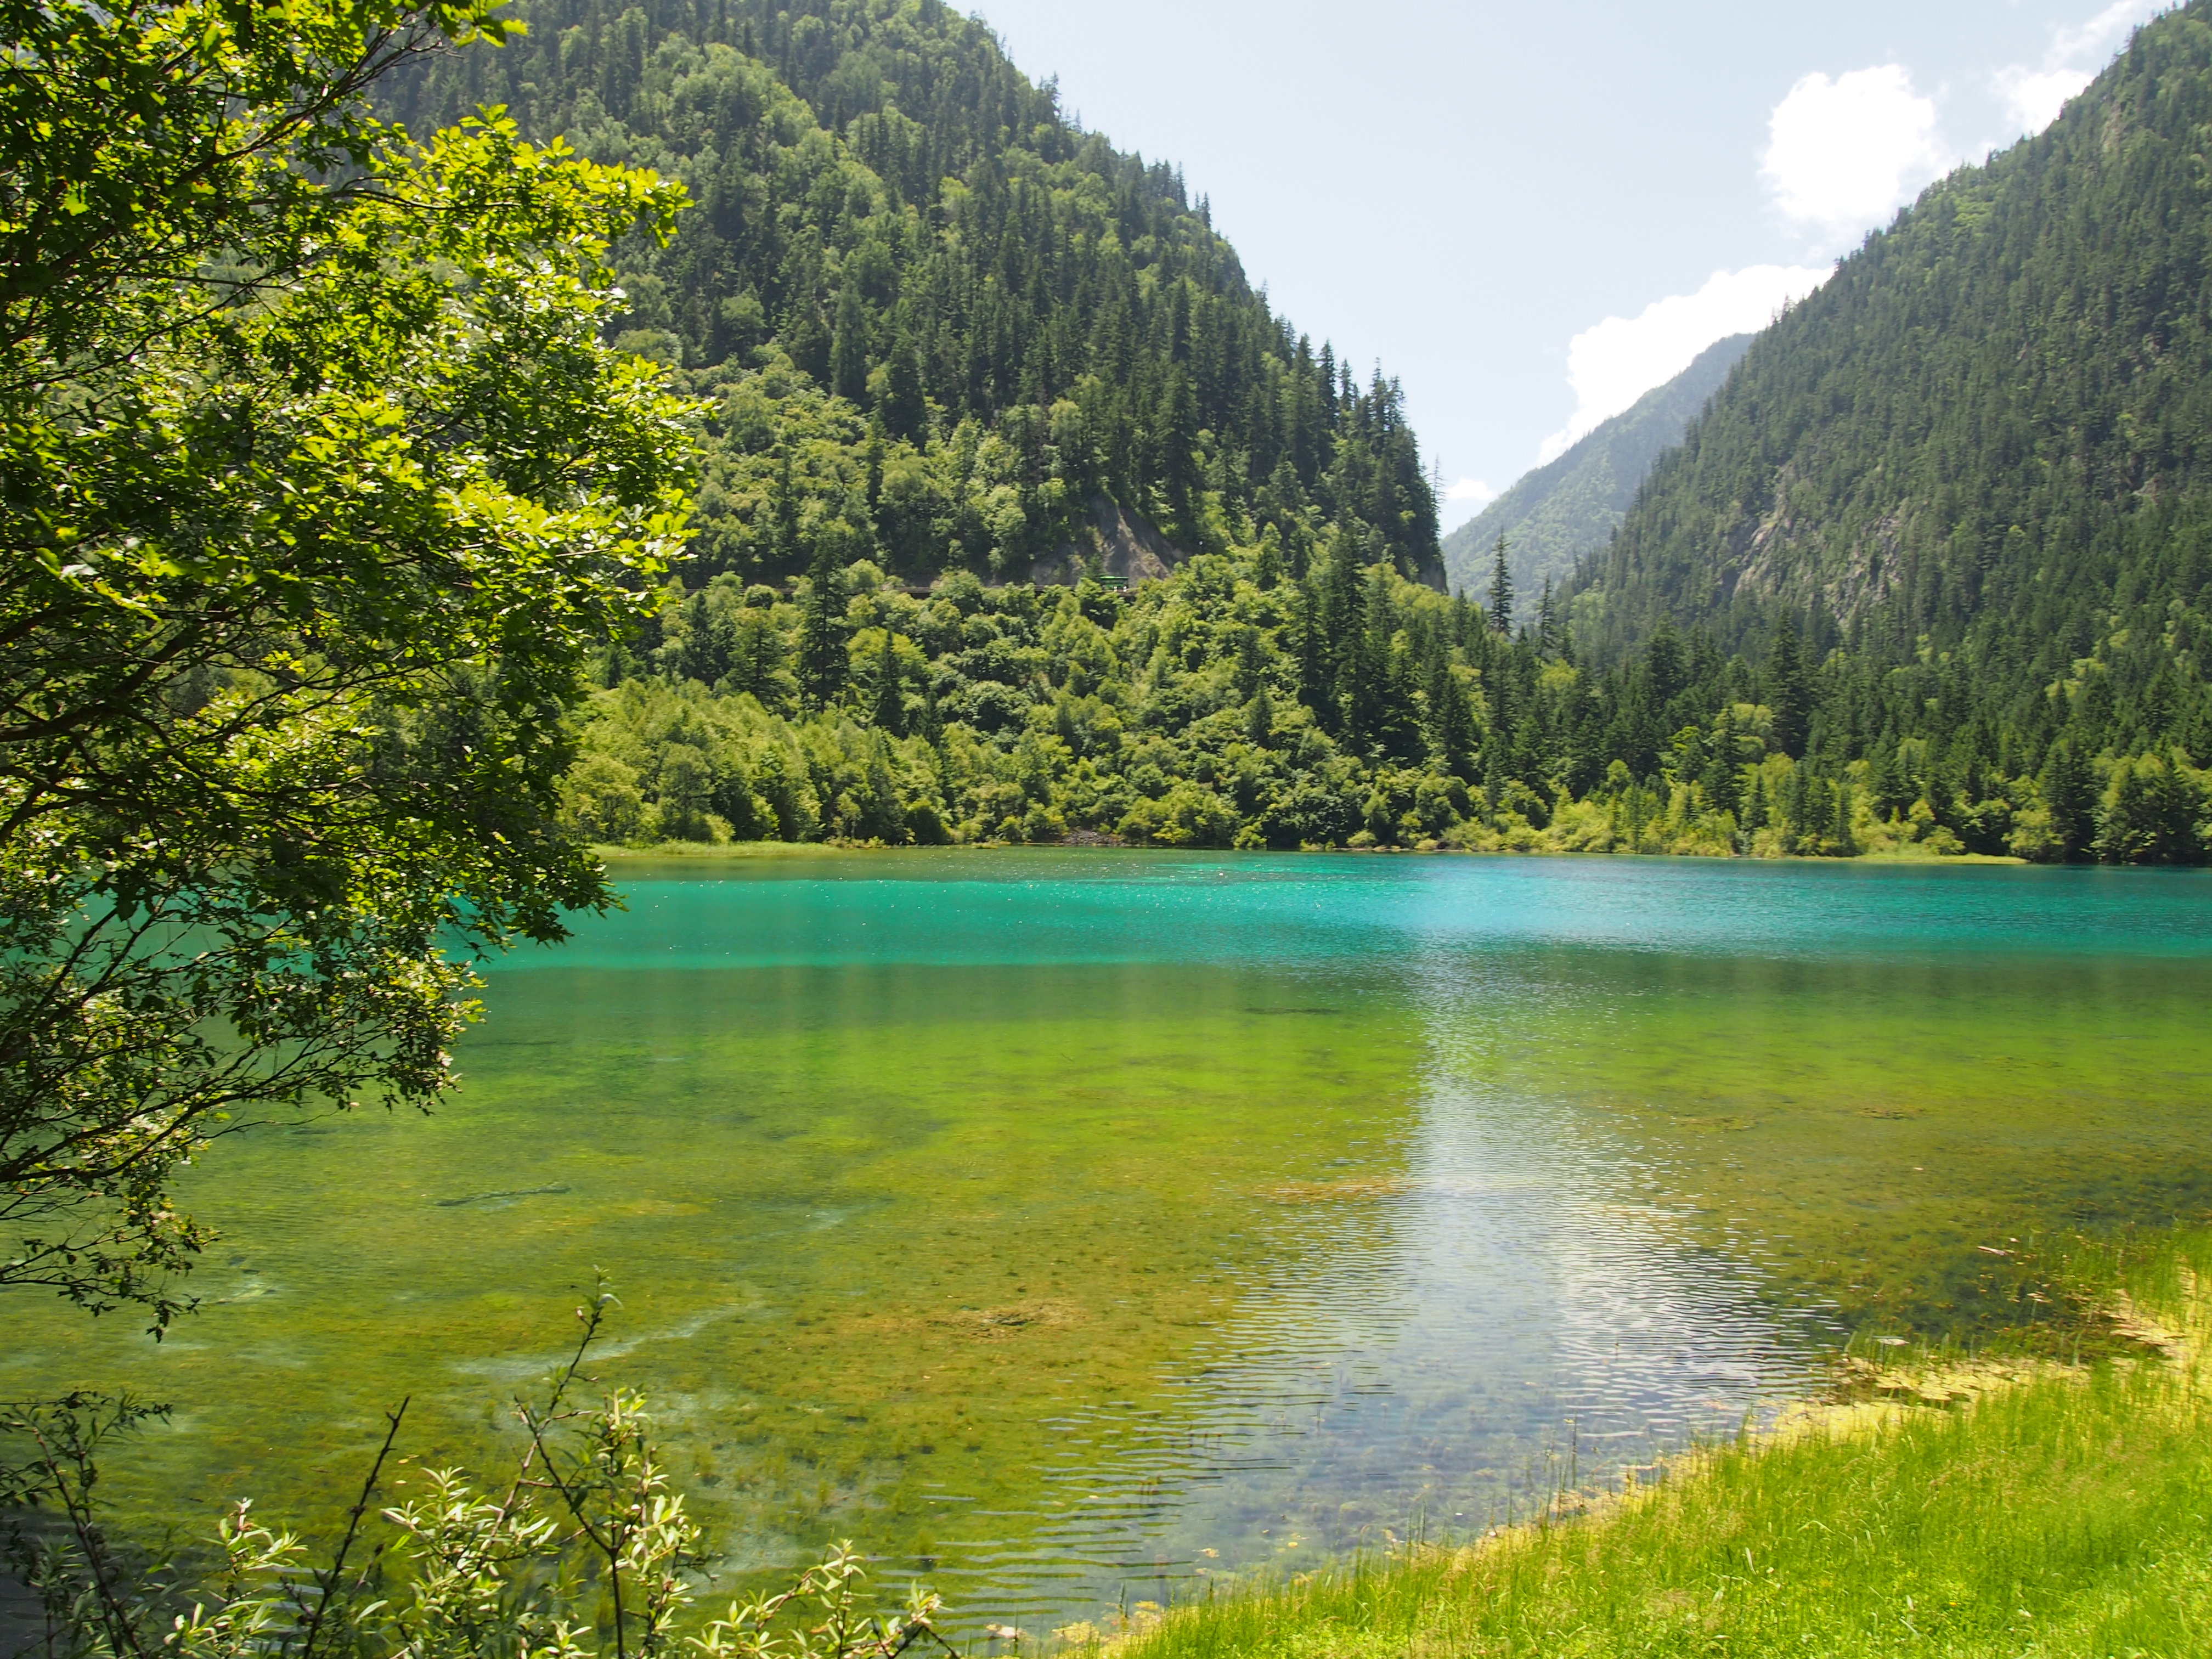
<point>1033,908</point>
<point>1072,1227</point>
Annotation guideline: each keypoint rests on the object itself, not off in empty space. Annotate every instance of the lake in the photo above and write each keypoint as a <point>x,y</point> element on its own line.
<point>1072,1227</point>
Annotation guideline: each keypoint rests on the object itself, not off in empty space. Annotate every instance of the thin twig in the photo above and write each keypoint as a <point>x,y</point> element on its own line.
<point>315,1627</point>
<point>115,1613</point>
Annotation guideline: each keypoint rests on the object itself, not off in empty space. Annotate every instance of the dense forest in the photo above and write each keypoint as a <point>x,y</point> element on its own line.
<point>1923,580</point>
<point>1972,476</point>
<point>938,322</point>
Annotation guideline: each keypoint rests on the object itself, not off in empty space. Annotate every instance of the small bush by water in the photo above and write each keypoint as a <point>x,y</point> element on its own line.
<point>2068,1515</point>
<point>583,1552</point>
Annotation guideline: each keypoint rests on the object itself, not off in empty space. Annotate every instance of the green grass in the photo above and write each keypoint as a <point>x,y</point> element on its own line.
<point>660,852</point>
<point>1909,852</point>
<point>2071,1515</point>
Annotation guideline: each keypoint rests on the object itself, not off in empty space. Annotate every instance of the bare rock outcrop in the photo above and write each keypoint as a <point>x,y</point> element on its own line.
<point>1117,541</point>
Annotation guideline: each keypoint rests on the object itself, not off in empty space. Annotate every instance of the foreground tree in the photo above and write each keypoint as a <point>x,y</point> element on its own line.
<point>316,487</point>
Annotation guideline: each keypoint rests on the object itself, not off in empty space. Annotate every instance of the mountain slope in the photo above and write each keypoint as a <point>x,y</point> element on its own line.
<point>1991,428</point>
<point>1553,515</point>
<point>950,347</point>
<point>1944,538</point>
<point>944,327</point>
<point>917,377</point>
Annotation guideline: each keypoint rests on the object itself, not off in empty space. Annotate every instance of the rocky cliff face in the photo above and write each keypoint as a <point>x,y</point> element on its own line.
<point>1115,543</point>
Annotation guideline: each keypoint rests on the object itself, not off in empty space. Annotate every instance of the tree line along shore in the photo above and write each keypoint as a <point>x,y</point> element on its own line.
<point>1240,703</point>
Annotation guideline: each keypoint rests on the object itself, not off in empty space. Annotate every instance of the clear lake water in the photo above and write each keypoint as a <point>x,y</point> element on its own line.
<point>1070,1229</point>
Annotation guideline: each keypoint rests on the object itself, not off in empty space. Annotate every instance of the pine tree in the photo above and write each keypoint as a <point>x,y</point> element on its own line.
<point>891,690</point>
<point>1362,678</point>
<point>1451,724</point>
<point>1718,777</point>
<point>1180,481</point>
<point>2070,794</point>
<point>758,661</point>
<point>1270,561</point>
<point>1755,814</point>
<point>849,347</point>
<point>905,413</point>
<point>1313,654</point>
<point>1260,718</point>
<point>1789,692</point>
<point>1249,662</point>
<point>1501,592</point>
<point>1792,816</point>
<point>822,661</point>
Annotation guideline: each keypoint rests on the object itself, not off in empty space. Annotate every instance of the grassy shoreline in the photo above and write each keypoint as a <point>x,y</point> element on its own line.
<point>714,852</point>
<point>2055,1512</point>
<point>724,851</point>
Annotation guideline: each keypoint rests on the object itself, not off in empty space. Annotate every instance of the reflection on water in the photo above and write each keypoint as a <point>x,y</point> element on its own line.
<point>1072,1228</point>
<point>1459,1344</point>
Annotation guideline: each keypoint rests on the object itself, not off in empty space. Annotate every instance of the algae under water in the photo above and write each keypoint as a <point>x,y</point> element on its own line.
<point>1069,1227</point>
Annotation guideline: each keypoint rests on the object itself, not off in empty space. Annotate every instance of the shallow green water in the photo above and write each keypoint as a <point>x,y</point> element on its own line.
<point>1069,1226</point>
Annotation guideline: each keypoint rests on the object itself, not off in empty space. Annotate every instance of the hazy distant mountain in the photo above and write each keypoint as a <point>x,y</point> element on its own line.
<point>1554,514</point>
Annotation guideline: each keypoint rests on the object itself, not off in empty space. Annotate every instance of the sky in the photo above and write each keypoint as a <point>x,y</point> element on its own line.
<point>1531,213</point>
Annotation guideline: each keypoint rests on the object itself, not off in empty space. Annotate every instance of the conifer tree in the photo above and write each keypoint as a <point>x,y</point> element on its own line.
<point>848,347</point>
<point>1313,650</point>
<point>1178,437</point>
<point>2069,795</point>
<point>905,414</point>
<point>1270,562</point>
<point>1756,813</point>
<point>1788,693</point>
<point>1363,682</point>
<point>890,715</point>
<point>1260,718</point>
<point>1718,777</point>
<point>821,662</point>
<point>1501,591</point>
<point>1451,724</point>
<point>1249,663</point>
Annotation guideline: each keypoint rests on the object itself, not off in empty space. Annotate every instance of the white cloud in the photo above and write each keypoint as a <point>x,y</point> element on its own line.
<point>1842,155</point>
<point>1461,501</point>
<point>2033,96</point>
<point>1612,364</point>
<point>2102,34</point>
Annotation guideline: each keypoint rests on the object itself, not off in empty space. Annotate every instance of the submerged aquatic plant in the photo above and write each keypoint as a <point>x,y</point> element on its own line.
<point>583,1552</point>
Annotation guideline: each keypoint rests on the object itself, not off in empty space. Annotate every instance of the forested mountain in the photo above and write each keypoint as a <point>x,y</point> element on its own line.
<point>1924,578</point>
<point>950,345</point>
<point>1551,517</point>
<point>1972,474</point>
<point>941,325</point>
